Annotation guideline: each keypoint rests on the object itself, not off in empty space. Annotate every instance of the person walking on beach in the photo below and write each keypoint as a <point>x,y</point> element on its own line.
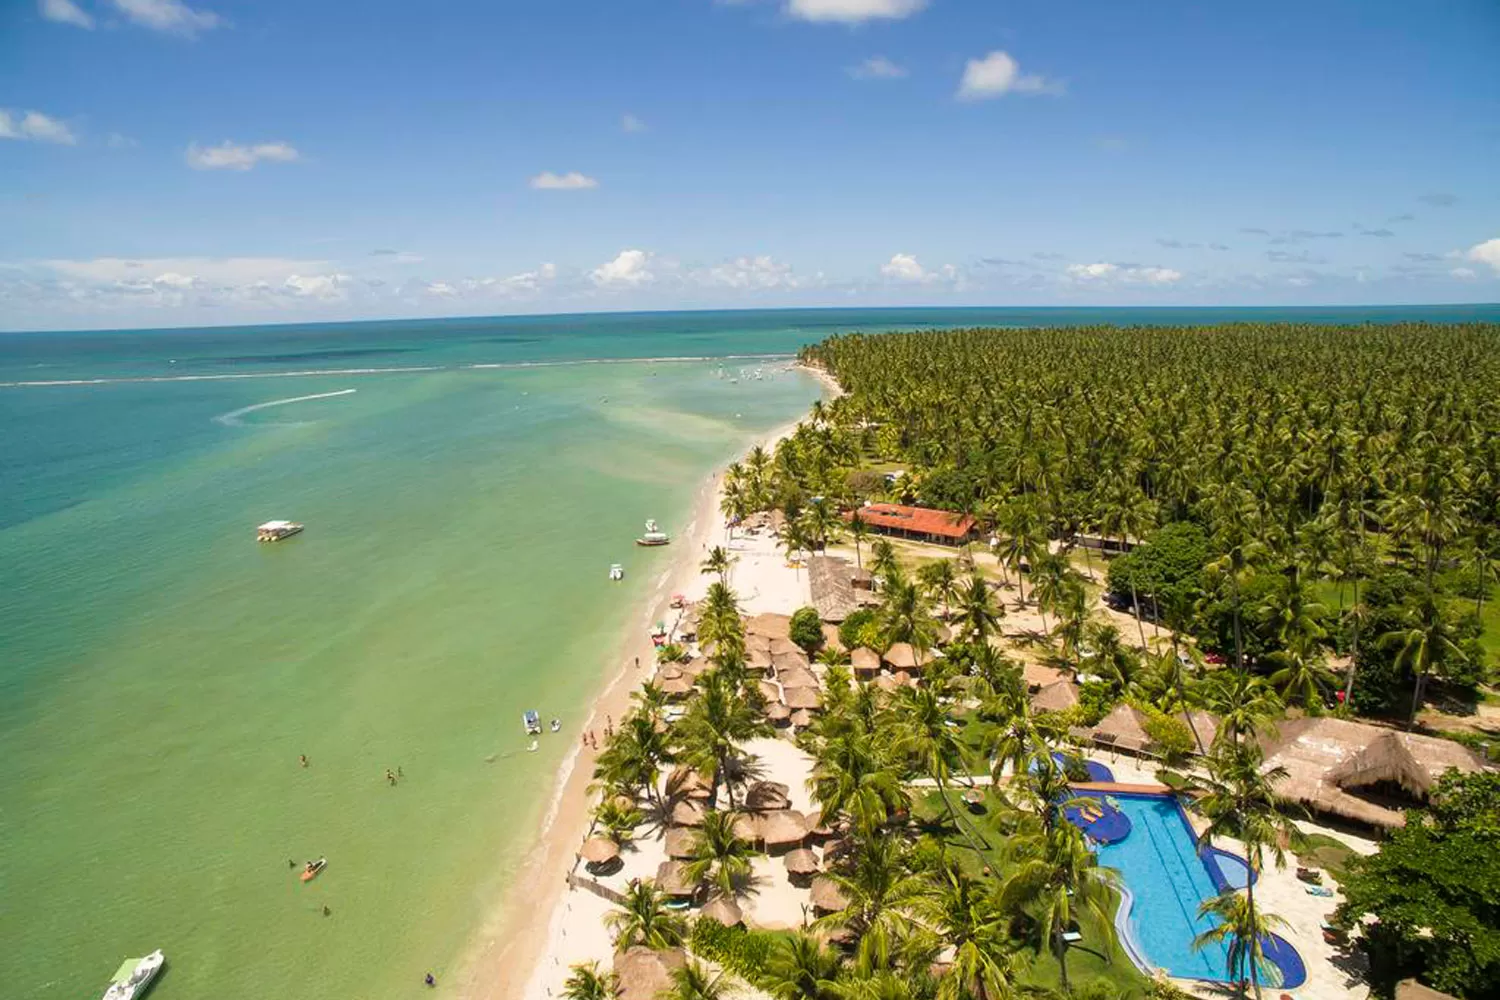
<point>429,980</point>
<point>302,759</point>
<point>390,777</point>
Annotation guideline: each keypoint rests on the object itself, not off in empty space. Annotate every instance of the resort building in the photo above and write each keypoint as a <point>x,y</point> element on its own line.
<point>1356,771</point>
<point>838,588</point>
<point>924,524</point>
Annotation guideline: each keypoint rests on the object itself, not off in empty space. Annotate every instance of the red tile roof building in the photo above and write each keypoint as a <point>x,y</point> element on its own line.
<point>916,522</point>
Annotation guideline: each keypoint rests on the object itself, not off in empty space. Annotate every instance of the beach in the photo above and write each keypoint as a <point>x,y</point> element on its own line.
<point>542,927</point>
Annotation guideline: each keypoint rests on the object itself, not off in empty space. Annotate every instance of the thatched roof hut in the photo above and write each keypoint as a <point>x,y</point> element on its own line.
<point>888,682</point>
<point>818,824</point>
<point>781,827</point>
<point>599,851</point>
<point>668,671</point>
<point>1205,724</point>
<point>689,812</point>
<point>745,828</point>
<point>802,861</point>
<point>802,697</point>
<point>796,677</point>
<point>1410,989</point>
<point>755,641</point>
<point>830,583</point>
<point>1123,728</point>
<point>831,638</point>
<point>864,660</point>
<point>671,879</point>
<point>758,660</point>
<point>768,691</point>
<point>1341,767</point>
<point>801,718</point>
<point>790,661</point>
<point>770,624</point>
<point>764,795</point>
<point>777,712</point>
<point>786,647</point>
<point>684,782</point>
<point>644,974</point>
<point>1058,696</point>
<point>723,910</point>
<point>697,667</point>
<point>905,656</point>
<point>676,687</point>
<point>827,897</point>
<point>681,842</point>
<point>1036,676</point>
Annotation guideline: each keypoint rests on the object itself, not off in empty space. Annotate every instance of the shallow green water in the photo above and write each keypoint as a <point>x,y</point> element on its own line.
<point>162,672</point>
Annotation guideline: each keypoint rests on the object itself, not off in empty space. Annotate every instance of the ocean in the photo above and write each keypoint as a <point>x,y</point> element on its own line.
<point>466,485</point>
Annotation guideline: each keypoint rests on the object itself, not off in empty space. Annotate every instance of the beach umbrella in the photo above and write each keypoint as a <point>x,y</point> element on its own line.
<point>785,647</point>
<point>687,813</point>
<point>764,795</point>
<point>599,850</point>
<point>802,697</point>
<point>696,667</point>
<point>671,878</point>
<point>801,718</point>
<point>644,974</point>
<point>802,862</point>
<point>681,842</point>
<point>777,712</point>
<point>724,910</point>
<point>782,827</point>
<point>826,895</point>
<point>865,660</point>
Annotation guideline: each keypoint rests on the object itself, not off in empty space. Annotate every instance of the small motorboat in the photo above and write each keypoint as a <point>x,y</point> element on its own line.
<point>313,869</point>
<point>616,571</point>
<point>134,976</point>
<point>531,721</point>
<point>654,535</point>
<point>556,725</point>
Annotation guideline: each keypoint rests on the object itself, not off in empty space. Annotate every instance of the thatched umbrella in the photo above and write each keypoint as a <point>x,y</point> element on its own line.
<point>669,672</point>
<point>724,910</point>
<point>801,718</point>
<point>782,827</point>
<point>758,660</point>
<point>784,647</point>
<point>768,691</point>
<point>802,862</point>
<point>599,851</point>
<point>831,638</point>
<point>826,895</point>
<point>745,828</point>
<point>756,642</point>
<point>676,687</point>
<point>771,625</point>
<point>777,712</point>
<point>696,667</point>
<point>643,974</point>
<point>802,697</point>
<point>689,812</point>
<point>686,783</point>
<point>796,677</point>
<point>1058,696</point>
<point>671,879</point>
<point>818,826</point>
<point>681,843</point>
<point>766,795</point>
<point>944,634</point>
<point>865,660</point>
<point>904,656</point>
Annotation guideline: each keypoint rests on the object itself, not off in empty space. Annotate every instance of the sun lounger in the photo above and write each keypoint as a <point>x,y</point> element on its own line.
<point>1319,890</point>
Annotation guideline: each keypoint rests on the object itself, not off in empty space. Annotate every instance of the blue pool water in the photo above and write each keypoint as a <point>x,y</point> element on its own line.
<point>1166,881</point>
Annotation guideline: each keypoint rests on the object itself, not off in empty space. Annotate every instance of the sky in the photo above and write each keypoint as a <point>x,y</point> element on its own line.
<point>184,162</point>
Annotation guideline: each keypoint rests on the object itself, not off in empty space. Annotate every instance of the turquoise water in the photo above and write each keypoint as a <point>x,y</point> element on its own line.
<point>1167,881</point>
<point>160,672</point>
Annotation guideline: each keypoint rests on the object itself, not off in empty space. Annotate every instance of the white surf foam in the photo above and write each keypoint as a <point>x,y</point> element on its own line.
<point>232,418</point>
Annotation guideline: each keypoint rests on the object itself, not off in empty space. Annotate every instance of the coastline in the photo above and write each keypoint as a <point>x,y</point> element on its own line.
<point>509,957</point>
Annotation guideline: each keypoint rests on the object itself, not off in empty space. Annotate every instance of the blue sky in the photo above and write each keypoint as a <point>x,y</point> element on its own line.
<point>171,162</point>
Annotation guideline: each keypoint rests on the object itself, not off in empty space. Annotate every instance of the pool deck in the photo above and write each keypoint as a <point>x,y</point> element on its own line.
<point>1121,787</point>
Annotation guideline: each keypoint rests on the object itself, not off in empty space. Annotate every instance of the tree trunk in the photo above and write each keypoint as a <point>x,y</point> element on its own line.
<point>953,815</point>
<point>1239,647</point>
<point>1062,959</point>
<point>1416,698</point>
<point>1250,955</point>
<point>1353,651</point>
<point>1136,602</point>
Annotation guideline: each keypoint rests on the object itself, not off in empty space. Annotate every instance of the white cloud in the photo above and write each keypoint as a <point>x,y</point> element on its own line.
<point>748,272</point>
<point>877,68</point>
<point>998,74</point>
<point>171,16</point>
<point>325,287</point>
<point>1487,252</point>
<point>853,11</point>
<point>571,181</point>
<point>1462,272</point>
<point>905,267</point>
<point>629,269</point>
<point>232,156</point>
<point>441,289</point>
<point>36,127</point>
<point>630,123</point>
<point>1127,274</point>
<point>209,270</point>
<point>65,12</point>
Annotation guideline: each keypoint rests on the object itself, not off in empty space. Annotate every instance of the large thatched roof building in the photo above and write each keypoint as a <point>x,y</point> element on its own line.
<point>831,583</point>
<point>1361,772</point>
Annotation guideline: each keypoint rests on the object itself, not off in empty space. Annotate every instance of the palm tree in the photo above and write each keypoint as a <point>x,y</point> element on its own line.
<point>1052,580</point>
<point>905,615</point>
<point>978,615</point>
<point>633,756</point>
<point>1423,643</point>
<point>970,920</point>
<point>854,777</point>
<point>801,967</point>
<point>718,720</point>
<point>883,558</point>
<point>694,981</point>
<point>719,857</point>
<point>1237,922</point>
<point>1244,703</point>
<point>586,982</point>
<point>718,562</point>
<point>1109,657</point>
<point>881,893</point>
<point>643,918</point>
<point>1300,675</point>
<point>1059,880</point>
<point>618,820</point>
<point>858,531</point>
<point>923,734</point>
<point>821,523</point>
<point>794,538</point>
<point>941,580</point>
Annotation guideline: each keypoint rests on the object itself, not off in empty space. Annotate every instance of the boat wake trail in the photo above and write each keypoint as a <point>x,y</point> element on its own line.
<point>232,418</point>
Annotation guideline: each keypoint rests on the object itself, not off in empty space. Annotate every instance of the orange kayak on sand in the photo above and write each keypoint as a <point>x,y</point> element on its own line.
<point>313,869</point>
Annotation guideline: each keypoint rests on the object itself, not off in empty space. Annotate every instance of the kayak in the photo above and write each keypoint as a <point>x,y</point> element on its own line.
<point>308,874</point>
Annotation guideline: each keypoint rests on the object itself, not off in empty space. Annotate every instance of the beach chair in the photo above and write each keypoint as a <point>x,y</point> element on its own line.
<point>1319,890</point>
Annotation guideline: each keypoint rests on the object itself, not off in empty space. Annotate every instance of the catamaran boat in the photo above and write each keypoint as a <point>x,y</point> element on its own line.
<point>616,571</point>
<point>653,536</point>
<point>532,722</point>
<point>275,531</point>
<point>134,976</point>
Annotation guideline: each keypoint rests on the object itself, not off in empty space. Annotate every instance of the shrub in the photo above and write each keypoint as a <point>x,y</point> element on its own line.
<point>1166,569</point>
<point>853,630</point>
<point>807,629</point>
<point>1170,734</point>
<point>1095,699</point>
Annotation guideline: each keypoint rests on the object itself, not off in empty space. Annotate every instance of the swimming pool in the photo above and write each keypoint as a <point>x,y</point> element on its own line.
<point>1165,880</point>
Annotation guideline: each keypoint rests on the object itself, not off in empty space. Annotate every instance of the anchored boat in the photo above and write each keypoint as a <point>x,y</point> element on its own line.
<point>616,571</point>
<point>653,536</point>
<point>531,721</point>
<point>313,869</point>
<point>134,976</point>
<point>275,531</point>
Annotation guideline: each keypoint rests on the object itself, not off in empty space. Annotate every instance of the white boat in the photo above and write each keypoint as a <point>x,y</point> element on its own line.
<point>531,721</point>
<point>616,571</point>
<point>275,531</point>
<point>653,536</point>
<point>134,976</point>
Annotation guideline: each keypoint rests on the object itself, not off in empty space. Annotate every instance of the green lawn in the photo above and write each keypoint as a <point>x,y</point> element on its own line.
<point>1086,962</point>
